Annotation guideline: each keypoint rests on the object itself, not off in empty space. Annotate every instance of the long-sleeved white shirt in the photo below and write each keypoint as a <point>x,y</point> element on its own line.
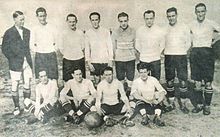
<point>48,92</point>
<point>177,39</point>
<point>98,48</point>
<point>202,33</point>
<point>43,39</point>
<point>150,43</point>
<point>80,91</point>
<point>72,44</point>
<point>147,89</point>
<point>108,92</point>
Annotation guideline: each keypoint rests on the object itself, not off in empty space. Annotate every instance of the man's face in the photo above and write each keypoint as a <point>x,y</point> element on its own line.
<point>19,21</point>
<point>123,22</point>
<point>200,13</point>
<point>78,76</point>
<point>143,74</point>
<point>149,19</point>
<point>43,77</point>
<point>108,76</point>
<point>95,21</point>
<point>42,16</point>
<point>71,21</point>
<point>172,18</point>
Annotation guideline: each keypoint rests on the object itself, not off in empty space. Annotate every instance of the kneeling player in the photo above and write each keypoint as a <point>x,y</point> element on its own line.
<point>149,95</point>
<point>111,99</point>
<point>46,98</point>
<point>83,97</point>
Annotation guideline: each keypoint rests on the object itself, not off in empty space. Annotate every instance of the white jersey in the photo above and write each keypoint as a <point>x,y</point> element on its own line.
<point>150,43</point>
<point>177,39</point>
<point>202,33</point>
<point>48,92</point>
<point>80,91</point>
<point>147,89</point>
<point>99,48</point>
<point>108,92</point>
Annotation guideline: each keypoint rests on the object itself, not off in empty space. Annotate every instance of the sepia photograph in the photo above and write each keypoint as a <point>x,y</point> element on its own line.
<point>109,68</point>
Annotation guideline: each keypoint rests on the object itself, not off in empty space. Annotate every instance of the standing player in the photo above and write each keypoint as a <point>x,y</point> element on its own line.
<point>177,43</point>
<point>15,47</point>
<point>46,97</point>
<point>83,97</point>
<point>98,49</point>
<point>72,47</point>
<point>150,43</point>
<point>149,95</point>
<point>111,99</point>
<point>202,58</point>
<point>124,52</point>
<point>44,45</point>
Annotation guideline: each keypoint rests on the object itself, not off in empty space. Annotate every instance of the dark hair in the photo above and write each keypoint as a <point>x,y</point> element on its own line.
<point>17,13</point>
<point>42,69</point>
<point>108,68</point>
<point>71,15</point>
<point>122,14</point>
<point>76,68</point>
<point>172,9</point>
<point>94,13</point>
<point>41,9</point>
<point>200,5</point>
<point>142,66</point>
<point>148,12</point>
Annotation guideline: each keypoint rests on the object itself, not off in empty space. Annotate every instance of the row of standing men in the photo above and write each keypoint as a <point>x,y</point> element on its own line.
<point>98,49</point>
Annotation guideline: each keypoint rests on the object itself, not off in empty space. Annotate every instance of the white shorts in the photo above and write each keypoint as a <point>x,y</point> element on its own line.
<point>17,75</point>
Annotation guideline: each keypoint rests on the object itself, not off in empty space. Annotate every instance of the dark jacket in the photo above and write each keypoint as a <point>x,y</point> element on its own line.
<point>15,49</point>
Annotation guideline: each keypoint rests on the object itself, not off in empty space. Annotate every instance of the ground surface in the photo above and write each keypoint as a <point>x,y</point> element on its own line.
<point>177,123</point>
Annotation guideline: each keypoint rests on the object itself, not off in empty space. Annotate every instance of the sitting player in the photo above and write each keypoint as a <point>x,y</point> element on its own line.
<point>111,99</point>
<point>46,98</point>
<point>82,99</point>
<point>149,95</point>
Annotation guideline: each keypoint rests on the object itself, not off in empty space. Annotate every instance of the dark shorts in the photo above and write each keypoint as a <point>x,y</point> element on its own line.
<point>202,63</point>
<point>112,109</point>
<point>99,68</point>
<point>47,61</point>
<point>125,69</point>
<point>150,109</point>
<point>155,68</point>
<point>176,63</point>
<point>70,65</point>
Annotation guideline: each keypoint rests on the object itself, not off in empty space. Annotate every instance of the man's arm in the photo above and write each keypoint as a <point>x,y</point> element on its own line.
<point>124,98</point>
<point>92,89</point>
<point>161,92</point>
<point>138,41</point>
<point>37,104</point>
<point>53,92</point>
<point>98,99</point>
<point>110,49</point>
<point>114,43</point>
<point>6,45</point>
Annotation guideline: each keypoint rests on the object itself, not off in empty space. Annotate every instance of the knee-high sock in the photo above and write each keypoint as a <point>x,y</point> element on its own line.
<point>199,99</point>
<point>208,96</point>
<point>84,108</point>
<point>26,93</point>
<point>16,101</point>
